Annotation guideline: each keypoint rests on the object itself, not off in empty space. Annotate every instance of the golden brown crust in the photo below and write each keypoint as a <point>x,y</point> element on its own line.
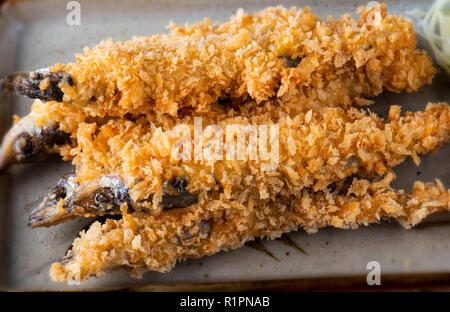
<point>262,203</point>
<point>144,242</point>
<point>127,96</point>
<point>314,150</point>
<point>340,63</point>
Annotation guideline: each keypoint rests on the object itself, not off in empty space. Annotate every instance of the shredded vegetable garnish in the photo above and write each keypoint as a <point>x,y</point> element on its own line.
<point>436,29</point>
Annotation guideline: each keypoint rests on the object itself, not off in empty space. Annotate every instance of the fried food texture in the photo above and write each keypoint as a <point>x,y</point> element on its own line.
<point>276,52</point>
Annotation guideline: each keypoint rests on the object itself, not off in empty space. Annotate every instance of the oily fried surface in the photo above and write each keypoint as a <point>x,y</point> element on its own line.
<point>279,67</point>
<point>238,201</point>
<point>276,52</point>
<point>146,242</point>
<point>315,150</point>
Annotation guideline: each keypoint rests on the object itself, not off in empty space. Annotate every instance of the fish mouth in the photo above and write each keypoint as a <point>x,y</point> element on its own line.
<point>50,211</point>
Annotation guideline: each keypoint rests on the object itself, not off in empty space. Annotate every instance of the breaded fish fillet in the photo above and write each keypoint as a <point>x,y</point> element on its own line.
<point>51,125</point>
<point>133,162</point>
<point>142,242</point>
<point>313,150</point>
<point>276,52</point>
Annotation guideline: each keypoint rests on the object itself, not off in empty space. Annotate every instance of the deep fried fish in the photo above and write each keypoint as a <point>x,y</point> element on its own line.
<point>276,52</point>
<point>122,162</point>
<point>142,242</point>
<point>314,150</point>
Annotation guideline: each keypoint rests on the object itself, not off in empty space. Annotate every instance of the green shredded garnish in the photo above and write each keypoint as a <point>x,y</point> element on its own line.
<point>436,29</point>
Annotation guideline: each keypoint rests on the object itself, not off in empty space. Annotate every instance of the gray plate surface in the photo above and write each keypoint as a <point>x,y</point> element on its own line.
<point>34,34</point>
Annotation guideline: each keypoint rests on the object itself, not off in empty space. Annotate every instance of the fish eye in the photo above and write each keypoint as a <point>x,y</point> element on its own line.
<point>102,197</point>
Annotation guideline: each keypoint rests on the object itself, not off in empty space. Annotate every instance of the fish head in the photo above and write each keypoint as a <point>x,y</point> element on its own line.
<point>25,142</point>
<point>102,196</point>
<point>50,211</point>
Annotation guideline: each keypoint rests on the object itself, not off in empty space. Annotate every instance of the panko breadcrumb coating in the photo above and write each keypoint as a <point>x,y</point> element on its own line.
<point>276,52</point>
<point>131,161</point>
<point>315,149</point>
<point>145,242</point>
<point>304,61</point>
<point>117,108</point>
